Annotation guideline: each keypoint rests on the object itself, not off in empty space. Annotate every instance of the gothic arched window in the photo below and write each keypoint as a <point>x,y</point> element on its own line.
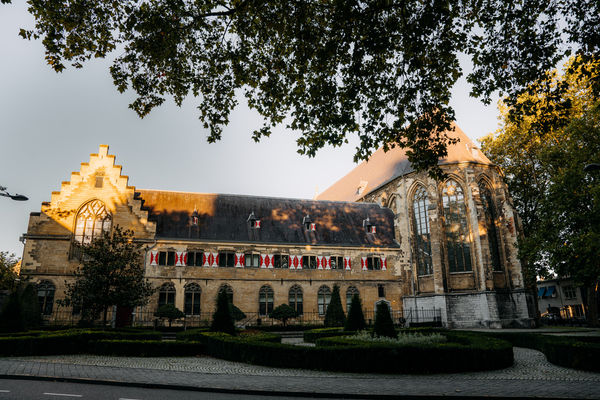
<point>457,230</point>
<point>166,294</point>
<point>225,287</point>
<point>192,294</point>
<point>350,292</point>
<point>295,299</point>
<point>422,232</point>
<point>490,221</point>
<point>265,300</point>
<point>45,292</point>
<point>92,220</point>
<point>323,299</point>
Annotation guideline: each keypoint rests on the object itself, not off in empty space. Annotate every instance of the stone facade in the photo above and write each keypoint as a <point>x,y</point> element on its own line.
<point>489,292</point>
<point>186,223</point>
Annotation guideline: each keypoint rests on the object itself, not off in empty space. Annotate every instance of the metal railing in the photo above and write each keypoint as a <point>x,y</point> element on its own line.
<point>423,315</point>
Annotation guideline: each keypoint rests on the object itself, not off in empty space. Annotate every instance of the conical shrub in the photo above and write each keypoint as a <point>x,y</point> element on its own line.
<point>334,316</point>
<point>356,318</point>
<point>222,320</point>
<point>384,326</point>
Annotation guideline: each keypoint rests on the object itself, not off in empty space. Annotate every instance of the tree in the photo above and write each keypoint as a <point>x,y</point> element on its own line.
<point>543,158</point>
<point>356,319</point>
<point>384,326</point>
<point>112,274</point>
<point>21,311</point>
<point>222,320</point>
<point>380,70</point>
<point>8,275</point>
<point>170,312</point>
<point>334,316</point>
<point>283,312</point>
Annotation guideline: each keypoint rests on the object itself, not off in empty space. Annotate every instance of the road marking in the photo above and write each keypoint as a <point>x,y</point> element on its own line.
<point>4,391</point>
<point>125,398</point>
<point>64,394</point>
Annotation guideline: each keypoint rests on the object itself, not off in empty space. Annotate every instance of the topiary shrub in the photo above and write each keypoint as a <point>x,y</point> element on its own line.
<point>236,313</point>
<point>222,320</point>
<point>170,312</point>
<point>282,313</point>
<point>334,316</point>
<point>356,318</point>
<point>384,326</point>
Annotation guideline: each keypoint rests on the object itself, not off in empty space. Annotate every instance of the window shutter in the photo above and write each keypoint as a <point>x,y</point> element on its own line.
<point>291,262</point>
<point>319,262</point>
<point>270,260</point>
<point>214,259</point>
<point>383,264</point>
<point>206,259</point>
<point>298,262</point>
<point>261,261</point>
<point>327,261</point>
<point>154,258</point>
<point>185,255</point>
<point>239,260</point>
<point>179,259</point>
<point>363,263</point>
<point>347,264</point>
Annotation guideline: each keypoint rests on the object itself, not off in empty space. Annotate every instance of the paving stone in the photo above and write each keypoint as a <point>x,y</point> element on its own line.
<point>531,375</point>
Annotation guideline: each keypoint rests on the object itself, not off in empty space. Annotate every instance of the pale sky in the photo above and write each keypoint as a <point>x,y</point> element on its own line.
<point>50,123</point>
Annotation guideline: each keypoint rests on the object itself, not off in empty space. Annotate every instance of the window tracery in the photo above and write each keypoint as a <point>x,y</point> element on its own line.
<point>92,221</point>
<point>490,221</point>
<point>422,232</point>
<point>456,227</point>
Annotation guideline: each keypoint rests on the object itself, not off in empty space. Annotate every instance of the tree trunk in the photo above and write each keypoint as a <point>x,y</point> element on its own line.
<point>592,298</point>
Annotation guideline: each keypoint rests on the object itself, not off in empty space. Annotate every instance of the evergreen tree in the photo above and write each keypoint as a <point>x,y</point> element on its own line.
<point>384,326</point>
<point>334,316</point>
<point>112,274</point>
<point>356,319</point>
<point>170,312</point>
<point>222,319</point>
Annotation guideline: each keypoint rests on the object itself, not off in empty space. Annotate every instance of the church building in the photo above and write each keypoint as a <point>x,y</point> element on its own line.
<point>382,231</point>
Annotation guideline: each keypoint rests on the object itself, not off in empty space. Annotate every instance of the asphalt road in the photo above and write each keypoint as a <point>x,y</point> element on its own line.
<point>15,389</point>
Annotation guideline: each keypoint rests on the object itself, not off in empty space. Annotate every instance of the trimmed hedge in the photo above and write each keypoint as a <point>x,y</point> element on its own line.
<point>313,335</point>
<point>465,352</point>
<point>144,348</point>
<point>287,328</point>
<point>579,352</point>
<point>64,342</point>
<point>195,335</point>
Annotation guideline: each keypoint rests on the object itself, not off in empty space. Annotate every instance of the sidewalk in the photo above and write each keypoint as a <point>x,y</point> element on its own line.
<point>530,376</point>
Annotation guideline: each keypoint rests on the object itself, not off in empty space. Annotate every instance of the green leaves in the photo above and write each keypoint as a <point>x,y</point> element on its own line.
<point>381,71</point>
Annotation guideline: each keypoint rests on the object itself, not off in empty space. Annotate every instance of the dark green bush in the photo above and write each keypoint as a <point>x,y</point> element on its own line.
<point>282,313</point>
<point>579,352</point>
<point>313,335</point>
<point>194,335</point>
<point>144,348</point>
<point>479,353</point>
<point>64,342</point>
<point>222,319</point>
<point>287,328</point>
<point>384,326</point>
<point>356,318</point>
<point>334,316</point>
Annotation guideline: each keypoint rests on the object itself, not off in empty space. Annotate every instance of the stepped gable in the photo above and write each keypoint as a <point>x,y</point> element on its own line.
<point>381,168</point>
<point>224,218</point>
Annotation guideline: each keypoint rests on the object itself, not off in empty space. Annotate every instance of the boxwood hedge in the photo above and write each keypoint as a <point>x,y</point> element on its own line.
<point>462,352</point>
<point>579,352</point>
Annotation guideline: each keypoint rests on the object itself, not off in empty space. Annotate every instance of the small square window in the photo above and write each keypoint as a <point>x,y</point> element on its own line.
<point>280,261</point>
<point>226,259</point>
<point>337,262</point>
<point>252,260</point>
<point>381,290</point>
<point>166,258</point>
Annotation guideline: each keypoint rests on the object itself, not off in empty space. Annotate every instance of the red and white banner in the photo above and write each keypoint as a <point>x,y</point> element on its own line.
<point>383,264</point>
<point>154,258</point>
<point>215,260</point>
<point>270,260</point>
<point>206,259</point>
<point>327,261</point>
<point>180,258</point>
<point>363,263</point>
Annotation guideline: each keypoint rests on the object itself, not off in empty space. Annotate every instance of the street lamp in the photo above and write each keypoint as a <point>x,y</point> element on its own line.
<point>17,197</point>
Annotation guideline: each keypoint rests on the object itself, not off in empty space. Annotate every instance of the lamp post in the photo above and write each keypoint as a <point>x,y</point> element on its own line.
<point>17,197</point>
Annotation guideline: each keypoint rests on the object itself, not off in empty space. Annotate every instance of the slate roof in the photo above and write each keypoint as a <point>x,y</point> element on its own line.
<point>381,168</point>
<point>223,217</point>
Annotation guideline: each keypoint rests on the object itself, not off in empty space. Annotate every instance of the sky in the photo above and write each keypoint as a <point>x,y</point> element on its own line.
<point>50,123</point>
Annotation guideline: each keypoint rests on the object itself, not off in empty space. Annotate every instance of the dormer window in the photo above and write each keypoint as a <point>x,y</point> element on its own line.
<point>308,224</point>
<point>254,221</point>
<point>369,227</point>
